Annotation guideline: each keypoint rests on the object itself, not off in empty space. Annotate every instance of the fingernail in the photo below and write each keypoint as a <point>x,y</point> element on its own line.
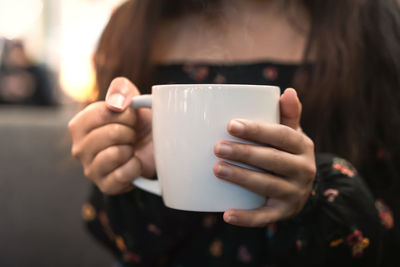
<point>236,127</point>
<point>116,100</point>
<point>224,170</point>
<point>231,219</point>
<point>291,90</point>
<point>223,149</point>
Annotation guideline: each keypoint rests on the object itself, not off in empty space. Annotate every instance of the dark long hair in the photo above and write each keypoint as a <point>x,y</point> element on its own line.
<point>351,95</point>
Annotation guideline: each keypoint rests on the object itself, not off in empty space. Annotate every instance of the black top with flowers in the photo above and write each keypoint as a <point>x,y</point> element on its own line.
<point>340,224</point>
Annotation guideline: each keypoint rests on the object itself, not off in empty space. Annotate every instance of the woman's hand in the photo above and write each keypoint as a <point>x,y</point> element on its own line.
<point>285,153</point>
<point>112,141</point>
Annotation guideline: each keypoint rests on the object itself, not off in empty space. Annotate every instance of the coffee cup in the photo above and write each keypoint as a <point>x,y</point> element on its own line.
<point>187,121</point>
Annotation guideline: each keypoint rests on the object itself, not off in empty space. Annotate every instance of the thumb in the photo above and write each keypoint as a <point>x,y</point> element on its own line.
<point>120,93</point>
<point>290,108</point>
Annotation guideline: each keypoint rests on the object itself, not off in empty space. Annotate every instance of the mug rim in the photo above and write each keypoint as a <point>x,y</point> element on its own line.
<point>223,85</point>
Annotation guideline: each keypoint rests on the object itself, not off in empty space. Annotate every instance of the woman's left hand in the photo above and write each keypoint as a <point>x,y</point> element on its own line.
<point>285,153</point>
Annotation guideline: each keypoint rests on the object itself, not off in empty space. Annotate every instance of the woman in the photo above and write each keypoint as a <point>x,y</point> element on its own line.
<point>343,58</point>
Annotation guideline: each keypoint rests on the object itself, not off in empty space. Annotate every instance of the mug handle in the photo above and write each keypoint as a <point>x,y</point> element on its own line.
<point>151,186</point>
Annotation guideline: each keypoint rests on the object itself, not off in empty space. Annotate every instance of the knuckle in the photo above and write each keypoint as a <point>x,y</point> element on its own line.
<point>114,132</point>
<point>300,196</point>
<point>305,181</point>
<point>109,186</point>
<point>104,189</point>
<point>298,137</point>
<point>288,136</point>
<point>276,158</point>
<point>310,171</point>
<point>308,143</point>
<point>294,137</point>
<point>119,177</point>
<point>307,173</point>
<point>76,151</point>
<point>117,154</point>
<point>71,124</point>
<point>87,172</point>
<point>112,153</point>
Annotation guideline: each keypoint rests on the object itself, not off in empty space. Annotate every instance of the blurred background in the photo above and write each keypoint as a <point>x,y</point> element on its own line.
<point>46,76</point>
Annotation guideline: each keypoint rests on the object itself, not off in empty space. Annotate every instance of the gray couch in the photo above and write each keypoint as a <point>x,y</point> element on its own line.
<point>41,192</point>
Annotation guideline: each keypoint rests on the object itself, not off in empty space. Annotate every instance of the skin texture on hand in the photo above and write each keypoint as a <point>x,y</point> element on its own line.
<point>285,153</point>
<point>114,145</point>
<point>112,141</point>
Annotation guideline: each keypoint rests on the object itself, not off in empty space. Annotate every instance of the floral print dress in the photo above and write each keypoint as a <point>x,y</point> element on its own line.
<point>342,223</point>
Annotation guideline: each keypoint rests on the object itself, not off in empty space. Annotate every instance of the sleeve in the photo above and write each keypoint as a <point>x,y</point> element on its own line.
<point>338,226</point>
<point>97,223</point>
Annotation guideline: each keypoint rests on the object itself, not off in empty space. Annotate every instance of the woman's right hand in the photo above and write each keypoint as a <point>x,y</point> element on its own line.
<point>112,141</point>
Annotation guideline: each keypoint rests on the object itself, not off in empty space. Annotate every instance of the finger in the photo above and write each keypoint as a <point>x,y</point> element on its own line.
<point>101,138</point>
<point>120,93</point>
<point>97,115</point>
<point>260,217</point>
<point>272,134</point>
<point>290,109</point>
<point>120,179</point>
<point>264,184</point>
<point>108,160</point>
<point>262,157</point>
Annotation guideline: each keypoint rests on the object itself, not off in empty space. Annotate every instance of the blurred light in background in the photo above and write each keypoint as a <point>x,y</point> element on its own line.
<point>81,25</point>
<point>62,34</point>
<point>17,16</point>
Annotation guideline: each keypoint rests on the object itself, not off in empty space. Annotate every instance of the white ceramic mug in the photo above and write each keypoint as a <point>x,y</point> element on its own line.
<point>188,120</point>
